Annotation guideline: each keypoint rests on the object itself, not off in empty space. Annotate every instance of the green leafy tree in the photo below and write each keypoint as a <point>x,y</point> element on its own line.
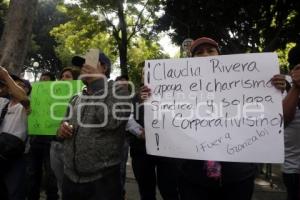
<point>85,31</point>
<point>140,50</point>
<point>124,21</point>
<point>42,47</point>
<point>283,57</point>
<point>81,32</point>
<point>238,25</point>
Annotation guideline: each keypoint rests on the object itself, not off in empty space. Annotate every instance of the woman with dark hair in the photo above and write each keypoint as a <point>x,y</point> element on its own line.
<point>69,73</point>
<point>13,132</point>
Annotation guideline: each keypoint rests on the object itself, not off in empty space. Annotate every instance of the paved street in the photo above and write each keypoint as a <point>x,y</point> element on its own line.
<point>264,189</point>
<point>270,189</point>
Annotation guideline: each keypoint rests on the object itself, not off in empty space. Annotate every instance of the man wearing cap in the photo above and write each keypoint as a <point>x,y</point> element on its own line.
<point>93,141</point>
<point>13,134</point>
<point>213,180</point>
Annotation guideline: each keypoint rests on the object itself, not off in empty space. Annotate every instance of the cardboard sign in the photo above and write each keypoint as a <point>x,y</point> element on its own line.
<point>49,102</point>
<point>220,108</point>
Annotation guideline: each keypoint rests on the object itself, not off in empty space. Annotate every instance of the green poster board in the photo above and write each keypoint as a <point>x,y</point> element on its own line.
<point>49,102</point>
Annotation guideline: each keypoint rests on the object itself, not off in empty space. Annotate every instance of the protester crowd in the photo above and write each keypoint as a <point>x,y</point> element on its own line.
<point>86,158</point>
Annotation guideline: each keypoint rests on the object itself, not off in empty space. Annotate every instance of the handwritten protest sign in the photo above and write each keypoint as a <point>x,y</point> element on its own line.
<point>215,108</point>
<point>49,101</point>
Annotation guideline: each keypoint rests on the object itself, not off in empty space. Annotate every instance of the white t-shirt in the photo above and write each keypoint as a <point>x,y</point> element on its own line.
<point>15,120</point>
<point>133,127</point>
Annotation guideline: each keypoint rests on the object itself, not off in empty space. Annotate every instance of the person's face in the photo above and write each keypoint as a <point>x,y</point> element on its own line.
<point>67,76</point>
<point>45,78</point>
<point>206,50</point>
<point>123,82</point>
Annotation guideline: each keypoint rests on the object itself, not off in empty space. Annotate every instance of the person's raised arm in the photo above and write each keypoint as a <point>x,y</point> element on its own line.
<point>291,101</point>
<point>16,91</point>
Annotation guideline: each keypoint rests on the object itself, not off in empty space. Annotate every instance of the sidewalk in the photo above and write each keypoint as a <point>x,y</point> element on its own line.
<point>132,192</point>
<point>272,189</point>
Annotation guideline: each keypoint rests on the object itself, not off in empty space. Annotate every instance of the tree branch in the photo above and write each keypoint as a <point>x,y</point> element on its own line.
<point>109,23</point>
<point>137,30</point>
<point>134,29</point>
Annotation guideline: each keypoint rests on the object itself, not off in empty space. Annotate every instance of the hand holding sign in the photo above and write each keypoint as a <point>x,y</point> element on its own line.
<point>145,93</point>
<point>279,82</point>
<point>65,130</point>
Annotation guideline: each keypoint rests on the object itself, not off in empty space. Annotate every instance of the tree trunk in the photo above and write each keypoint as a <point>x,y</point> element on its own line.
<point>124,40</point>
<point>17,34</point>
